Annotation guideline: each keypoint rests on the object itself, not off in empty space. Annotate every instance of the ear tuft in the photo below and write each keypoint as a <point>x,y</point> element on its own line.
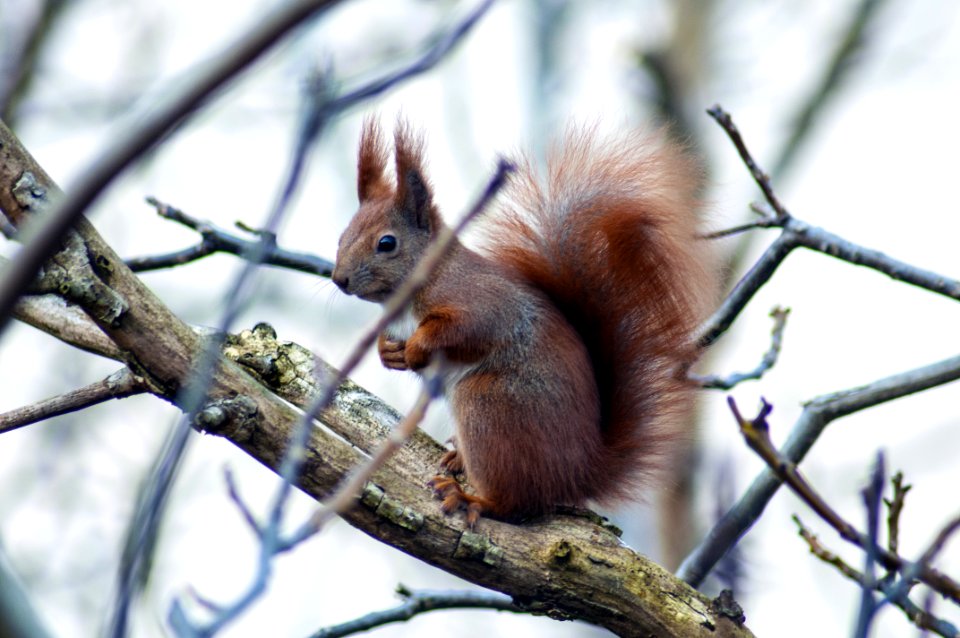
<point>414,195</point>
<point>372,161</point>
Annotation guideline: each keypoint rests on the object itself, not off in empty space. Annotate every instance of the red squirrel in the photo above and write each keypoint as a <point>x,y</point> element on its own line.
<point>564,333</point>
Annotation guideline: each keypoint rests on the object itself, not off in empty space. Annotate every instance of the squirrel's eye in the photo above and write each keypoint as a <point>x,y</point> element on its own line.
<point>387,244</point>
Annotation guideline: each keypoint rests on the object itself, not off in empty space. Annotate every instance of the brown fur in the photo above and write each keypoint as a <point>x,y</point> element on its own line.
<point>568,328</point>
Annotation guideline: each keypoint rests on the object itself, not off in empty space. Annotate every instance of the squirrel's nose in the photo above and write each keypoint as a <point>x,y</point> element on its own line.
<point>341,281</point>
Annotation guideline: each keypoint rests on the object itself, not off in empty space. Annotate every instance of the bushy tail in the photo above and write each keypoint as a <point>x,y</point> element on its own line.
<point>609,234</point>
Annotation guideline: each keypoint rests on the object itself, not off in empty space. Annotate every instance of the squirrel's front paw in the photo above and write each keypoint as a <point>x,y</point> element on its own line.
<point>392,353</point>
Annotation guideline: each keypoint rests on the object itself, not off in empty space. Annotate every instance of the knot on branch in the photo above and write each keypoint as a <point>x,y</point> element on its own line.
<point>235,419</point>
<point>276,363</point>
<point>473,546</point>
<point>72,274</point>
<point>724,605</point>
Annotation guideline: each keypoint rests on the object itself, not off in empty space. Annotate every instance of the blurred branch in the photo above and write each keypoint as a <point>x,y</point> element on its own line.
<point>42,237</point>
<point>715,382</point>
<point>273,542</point>
<point>835,72</point>
<point>215,239</point>
<point>321,104</point>
<point>119,385</point>
<point>420,602</point>
<point>798,234</point>
<point>915,614</point>
<point>872,495</point>
<point>19,68</point>
<point>18,619</point>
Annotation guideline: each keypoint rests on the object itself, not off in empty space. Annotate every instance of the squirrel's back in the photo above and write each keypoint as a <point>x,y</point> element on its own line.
<point>610,234</point>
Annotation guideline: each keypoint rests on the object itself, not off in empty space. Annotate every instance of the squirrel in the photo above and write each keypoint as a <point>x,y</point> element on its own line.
<point>567,333</point>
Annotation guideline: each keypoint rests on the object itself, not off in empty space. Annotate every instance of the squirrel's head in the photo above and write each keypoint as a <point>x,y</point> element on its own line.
<point>395,222</point>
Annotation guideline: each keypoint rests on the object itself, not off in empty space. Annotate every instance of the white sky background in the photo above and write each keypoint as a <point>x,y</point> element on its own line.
<point>880,170</point>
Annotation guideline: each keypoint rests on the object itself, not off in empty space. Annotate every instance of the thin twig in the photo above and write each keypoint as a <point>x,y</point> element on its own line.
<point>215,239</point>
<point>234,492</point>
<point>419,602</point>
<point>759,176</point>
<point>716,382</point>
<point>872,496</point>
<point>346,494</point>
<point>119,385</point>
<point>894,509</point>
<point>919,616</point>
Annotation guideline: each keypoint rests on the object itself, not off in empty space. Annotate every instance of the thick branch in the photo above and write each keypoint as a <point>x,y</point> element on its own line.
<point>562,565</point>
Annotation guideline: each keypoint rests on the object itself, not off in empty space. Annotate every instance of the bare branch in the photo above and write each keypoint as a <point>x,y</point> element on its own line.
<point>17,70</point>
<point>419,602</point>
<point>895,508</point>
<point>272,542</point>
<point>920,617</point>
<point>119,385</point>
<point>756,434</point>
<point>759,176</point>
<point>215,239</point>
<point>346,494</point>
<point>795,233</point>
<point>248,516</point>
<point>769,360</point>
<point>816,415</point>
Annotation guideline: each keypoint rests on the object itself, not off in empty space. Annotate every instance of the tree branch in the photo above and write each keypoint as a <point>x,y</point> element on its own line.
<point>119,385</point>
<point>915,614</point>
<point>416,603</point>
<point>795,233</point>
<point>756,433</point>
<point>816,415</point>
<point>716,382</point>
<point>215,239</point>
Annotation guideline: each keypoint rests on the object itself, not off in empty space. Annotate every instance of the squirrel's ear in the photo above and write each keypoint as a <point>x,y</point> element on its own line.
<point>414,195</point>
<point>372,162</point>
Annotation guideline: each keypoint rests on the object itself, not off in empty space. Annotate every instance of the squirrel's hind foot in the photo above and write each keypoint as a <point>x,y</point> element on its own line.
<point>453,497</point>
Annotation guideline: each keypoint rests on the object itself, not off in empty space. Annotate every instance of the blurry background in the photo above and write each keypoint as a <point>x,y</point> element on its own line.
<point>878,166</point>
